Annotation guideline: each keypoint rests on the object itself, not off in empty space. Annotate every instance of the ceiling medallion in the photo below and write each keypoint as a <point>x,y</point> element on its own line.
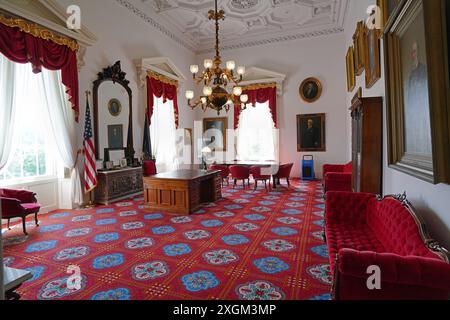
<point>217,97</point>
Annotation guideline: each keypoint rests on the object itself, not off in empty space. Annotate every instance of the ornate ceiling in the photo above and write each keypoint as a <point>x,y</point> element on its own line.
<point>247,23</point>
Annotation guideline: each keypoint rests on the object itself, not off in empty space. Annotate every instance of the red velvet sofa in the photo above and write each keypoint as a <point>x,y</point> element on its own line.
<point>362,231</point>
<point>337,177</point>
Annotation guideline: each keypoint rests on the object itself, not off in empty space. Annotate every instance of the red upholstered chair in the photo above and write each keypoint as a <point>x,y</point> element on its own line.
<point>19,204</point>
<point>337,177</point>
<point>224,172</point>
<point>149,168</point>
<point>284,172</point>
<point>257,176</point>
<point>363,231</point>
<point>240,173</point>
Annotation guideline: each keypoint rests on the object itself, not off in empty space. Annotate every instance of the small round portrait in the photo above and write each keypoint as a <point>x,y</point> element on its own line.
<point>114,107</point>
<point>311,90</point>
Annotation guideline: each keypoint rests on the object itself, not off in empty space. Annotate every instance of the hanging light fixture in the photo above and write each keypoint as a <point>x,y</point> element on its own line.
<point>216,79</point>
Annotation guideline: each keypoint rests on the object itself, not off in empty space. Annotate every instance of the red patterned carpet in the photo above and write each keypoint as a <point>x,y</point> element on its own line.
<point>250,245</point>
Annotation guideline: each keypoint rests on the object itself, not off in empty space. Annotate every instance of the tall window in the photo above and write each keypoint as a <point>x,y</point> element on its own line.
<point>256,140</point>
<point>163,135</point>
<point>32,153</point>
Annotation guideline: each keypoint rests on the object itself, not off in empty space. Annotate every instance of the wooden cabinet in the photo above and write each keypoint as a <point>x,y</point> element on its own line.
<point>117,185</point>
<point>367,144</point>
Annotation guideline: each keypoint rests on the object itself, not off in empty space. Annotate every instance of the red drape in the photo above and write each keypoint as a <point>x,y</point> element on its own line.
<point>22,47</point>
<point>159,89</point>
<point>259,96</point>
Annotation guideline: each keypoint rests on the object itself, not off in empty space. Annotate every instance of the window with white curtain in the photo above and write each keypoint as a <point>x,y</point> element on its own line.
<point>163,135</point>
<point>256,136</point>
<point>32,154</point>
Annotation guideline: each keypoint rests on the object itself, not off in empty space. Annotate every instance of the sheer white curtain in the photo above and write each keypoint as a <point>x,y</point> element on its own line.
<point>256,135</point>
<point>61,123</point>
<point>7,112</point>
<point>163,135</point>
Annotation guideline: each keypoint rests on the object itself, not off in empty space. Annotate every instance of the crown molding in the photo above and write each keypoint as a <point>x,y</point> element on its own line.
<point>155,24</point>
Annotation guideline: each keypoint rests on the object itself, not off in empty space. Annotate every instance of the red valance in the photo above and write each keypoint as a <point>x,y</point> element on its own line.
<point>22,47</point>
<point>261,95</point>
<point>160,89</point>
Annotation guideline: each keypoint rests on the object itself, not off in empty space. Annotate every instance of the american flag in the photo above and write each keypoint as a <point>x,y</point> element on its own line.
<point>90,170</point>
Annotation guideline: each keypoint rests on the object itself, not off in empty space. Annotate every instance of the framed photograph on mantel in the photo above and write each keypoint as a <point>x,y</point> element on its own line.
<point>417,90</point>
<point>311,133</point>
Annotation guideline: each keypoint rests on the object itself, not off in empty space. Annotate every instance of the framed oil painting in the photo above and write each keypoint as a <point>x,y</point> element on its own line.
<point>387,7</point>
<point>311,133</point>
<point>215,133</point>
<point>115,136</point>
<point>310,90</point>
<point>350,63</point>
<point>417,90</point>
<point>358,45</point>
<point>372,56</point>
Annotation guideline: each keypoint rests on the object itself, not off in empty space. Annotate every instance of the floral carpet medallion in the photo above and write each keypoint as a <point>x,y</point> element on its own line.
<point>57,289</point>
<point>220,257</point>
<point>259,290</point>
<point>271,265</point>
<point>71,253</point>
<point>139,243</point>
<point>108,261</point>
<point>113,294</point>
<point>150,270</point>
<point>278,245</point>
<point>321,272</point>
<point>268,247</point>
<point>200,281</point>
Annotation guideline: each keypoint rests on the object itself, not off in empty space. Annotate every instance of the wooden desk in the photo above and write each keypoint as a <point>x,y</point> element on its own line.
<point>182,191</point>
<point>12,280</point>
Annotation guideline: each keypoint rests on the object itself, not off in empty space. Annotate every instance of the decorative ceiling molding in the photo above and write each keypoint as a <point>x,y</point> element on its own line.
<point>155,24</point>
<point>249,23</point>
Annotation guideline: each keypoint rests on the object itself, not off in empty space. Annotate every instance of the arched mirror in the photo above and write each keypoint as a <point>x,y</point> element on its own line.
<point>113,114</point>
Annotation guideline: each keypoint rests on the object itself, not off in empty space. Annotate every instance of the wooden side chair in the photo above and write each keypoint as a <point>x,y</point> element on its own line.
<point>257,176</point>
<point>240,173</point>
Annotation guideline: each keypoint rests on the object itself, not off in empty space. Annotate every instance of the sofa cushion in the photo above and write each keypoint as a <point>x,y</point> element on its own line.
<point>351,236</point>
<point>348,168</point>
<point>396,229</point>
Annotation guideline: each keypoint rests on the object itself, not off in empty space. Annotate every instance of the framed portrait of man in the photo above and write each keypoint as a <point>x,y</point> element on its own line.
<point>215,133</point>
<point>311,133</point>
<point>115,136</point>
<point>418,131</point>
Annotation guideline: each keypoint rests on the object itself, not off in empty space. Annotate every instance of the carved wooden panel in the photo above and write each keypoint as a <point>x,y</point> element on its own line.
<point>116,185</point>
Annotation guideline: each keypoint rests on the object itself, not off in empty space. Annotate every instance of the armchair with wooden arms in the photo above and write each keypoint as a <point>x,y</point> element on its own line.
<point>19,204</point>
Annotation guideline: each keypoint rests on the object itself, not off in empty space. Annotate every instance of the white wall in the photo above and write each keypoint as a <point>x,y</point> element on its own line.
<point>430,200</point>
<point>318,57</point>
<point>125,37</point>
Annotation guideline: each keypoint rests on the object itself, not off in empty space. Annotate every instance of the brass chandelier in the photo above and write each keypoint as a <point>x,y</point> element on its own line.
<point>216,79</point>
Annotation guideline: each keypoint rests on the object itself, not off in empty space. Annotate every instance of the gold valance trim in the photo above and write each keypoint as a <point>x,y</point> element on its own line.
<point>38,32</point>
<point>162,78</point>
<point>259,86</point>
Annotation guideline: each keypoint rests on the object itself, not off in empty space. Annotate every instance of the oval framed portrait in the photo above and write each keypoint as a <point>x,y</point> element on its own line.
<point>114,107</point>
<point>311,90</point>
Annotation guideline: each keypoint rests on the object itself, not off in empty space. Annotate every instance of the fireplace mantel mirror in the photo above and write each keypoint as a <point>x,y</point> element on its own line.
<point>113,113</point>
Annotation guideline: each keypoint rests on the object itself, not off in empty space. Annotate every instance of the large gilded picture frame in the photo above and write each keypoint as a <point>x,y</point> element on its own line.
<point>358,45</point>
<point>215,133</point>
<point>350,63</point>
<point>372,56</point>
<point>417,90</point>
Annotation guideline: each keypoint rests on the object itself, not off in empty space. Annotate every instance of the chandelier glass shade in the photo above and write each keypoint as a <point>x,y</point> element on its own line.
<point>217,80</point>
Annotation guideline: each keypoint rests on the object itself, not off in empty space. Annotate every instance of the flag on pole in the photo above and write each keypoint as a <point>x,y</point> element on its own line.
<point>90,170</point>
<point>147,146</point>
